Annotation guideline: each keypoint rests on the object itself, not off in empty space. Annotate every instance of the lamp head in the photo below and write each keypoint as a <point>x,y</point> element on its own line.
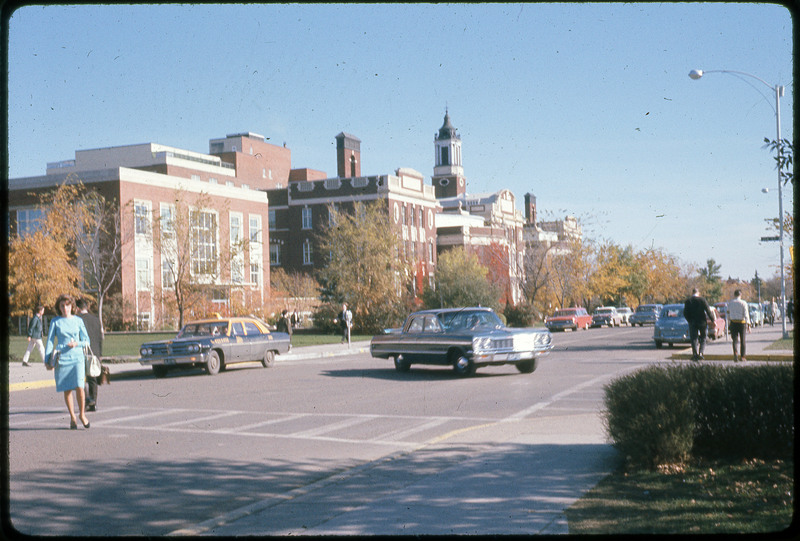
<point>696,74</point>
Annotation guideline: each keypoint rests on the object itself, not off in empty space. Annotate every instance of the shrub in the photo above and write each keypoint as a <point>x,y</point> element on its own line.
<point>664,415</point>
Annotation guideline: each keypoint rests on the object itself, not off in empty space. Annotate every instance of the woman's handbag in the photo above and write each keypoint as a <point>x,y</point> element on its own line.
<point>93,368</point>
<point>52,361</point>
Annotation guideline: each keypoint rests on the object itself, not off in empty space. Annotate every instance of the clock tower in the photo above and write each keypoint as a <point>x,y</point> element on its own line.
<point>448,173</point>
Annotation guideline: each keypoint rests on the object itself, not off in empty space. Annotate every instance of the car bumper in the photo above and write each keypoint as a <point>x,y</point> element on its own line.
<point>174,360</point>
<point>561,325</point>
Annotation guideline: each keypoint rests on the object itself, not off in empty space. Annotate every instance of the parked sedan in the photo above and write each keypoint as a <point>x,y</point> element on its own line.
<point>569,318</point>
<point>464,338</point>
<point>646,313</point>
<point>717,328</point>
<point>756,314</point>
<point>625,314</point>
<point>606,315</point>
<point>215,343</point>
<point>671,327</point>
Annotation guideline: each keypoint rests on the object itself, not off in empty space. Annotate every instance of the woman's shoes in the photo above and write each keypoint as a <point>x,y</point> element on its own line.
<point>86,424</point>
<point>73,425</point>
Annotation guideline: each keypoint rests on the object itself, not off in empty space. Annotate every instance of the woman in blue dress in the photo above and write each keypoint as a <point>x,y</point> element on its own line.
<point>68,337</point>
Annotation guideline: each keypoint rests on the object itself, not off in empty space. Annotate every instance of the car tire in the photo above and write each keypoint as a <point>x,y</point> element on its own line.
<point>400,364</point>
<point>213,363</point>
<point>659,344</point>
<point>160,371</point>
<point>462,366</point>
<point>528,367</point>
<point>269,358</point>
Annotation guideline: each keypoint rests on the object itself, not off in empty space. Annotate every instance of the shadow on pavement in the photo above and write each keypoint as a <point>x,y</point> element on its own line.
<point>509,488</point>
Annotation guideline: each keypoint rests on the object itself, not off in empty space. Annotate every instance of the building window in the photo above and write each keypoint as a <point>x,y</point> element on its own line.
<point>142,274</point>
<point>307,218</point>
<point>167,273</point>
<point>421,216</point>
<point>236,229</point>
<point>255,229</point>
<point>273,219</point>
<point>411,215</point>
<point>141,211</point>
<point>307,259</point>
<point>29,221</point>
<point>143,321</point>
<point>255,274</point>
<point>445,156</point>
<point>166,222</point>
<point>195,177</point>
<point>237,274</point>
<point>204,242</point>
<point>263,172</point>
<point>229,183</point>
<point>274,254</point>
<point>213,180</point>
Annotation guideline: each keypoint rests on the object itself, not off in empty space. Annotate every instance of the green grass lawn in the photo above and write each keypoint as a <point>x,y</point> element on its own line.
<point>715,498</point>
<point>784,343</point>
<point>116,345</point>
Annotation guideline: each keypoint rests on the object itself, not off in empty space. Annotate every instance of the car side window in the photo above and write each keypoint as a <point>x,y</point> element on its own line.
<point>237,329</point>
<point>251,328</point>
<point>432,324</point>
<point>415,326</point>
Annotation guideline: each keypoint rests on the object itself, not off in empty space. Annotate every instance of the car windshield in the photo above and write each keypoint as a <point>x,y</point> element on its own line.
<point>603,311</point>
<point>203,329</point>
<point>470,320</point>
<point>672,312</point>
<point>564,313</point>
<point>647,308</point>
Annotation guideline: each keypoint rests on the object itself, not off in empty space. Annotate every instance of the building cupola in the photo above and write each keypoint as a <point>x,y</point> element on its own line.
<point>448,173</point>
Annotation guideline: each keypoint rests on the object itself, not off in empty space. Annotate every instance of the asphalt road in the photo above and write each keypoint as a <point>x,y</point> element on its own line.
<point>341,445</point>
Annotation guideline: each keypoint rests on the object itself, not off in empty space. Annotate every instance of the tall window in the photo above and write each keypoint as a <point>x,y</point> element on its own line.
<point>236,229</point>
<point>167,221</point>
<point>255,273</point>
<point>274,254</point>
<point>142,274</point>
<point>29,221</point>
<point>273,219</point>
<point>204,242</point>
<point>307,218</point>
<point>255,229</point>
<point>445,156</point>
<point>141,212</point>
<point>307,260</point>
<point>167,277</point>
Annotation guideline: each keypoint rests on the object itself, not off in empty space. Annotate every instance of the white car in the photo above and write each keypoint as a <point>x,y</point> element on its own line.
<point>606,315</point>
<point>625,314</point>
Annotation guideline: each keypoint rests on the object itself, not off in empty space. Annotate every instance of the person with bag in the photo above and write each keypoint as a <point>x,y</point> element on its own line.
<point>285,325</point>
<point>35,330</point>
<point>64,354</point>
<point>739,317</point>
<point>95,331</point>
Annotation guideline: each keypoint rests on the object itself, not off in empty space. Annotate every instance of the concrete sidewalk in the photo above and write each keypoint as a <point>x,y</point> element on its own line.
<point>37,376</point>
<point>756,343</point>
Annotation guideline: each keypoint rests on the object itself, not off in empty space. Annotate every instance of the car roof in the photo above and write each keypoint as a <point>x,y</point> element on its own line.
<point>451,310</point>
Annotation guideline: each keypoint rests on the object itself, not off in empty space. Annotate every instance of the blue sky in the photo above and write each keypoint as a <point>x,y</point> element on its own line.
<point>587,106</point>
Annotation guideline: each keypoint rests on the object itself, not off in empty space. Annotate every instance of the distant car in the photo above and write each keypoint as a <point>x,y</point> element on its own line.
<point>646,314</point>
<point>717,328</point>
<point>756,314</point>
<point>671,327</point>
<point>606,315</point>
<point>214,344</point>
<point>569,318</point>
<point>464,338</point>
<point>625,314</point>
<point>722,310</point>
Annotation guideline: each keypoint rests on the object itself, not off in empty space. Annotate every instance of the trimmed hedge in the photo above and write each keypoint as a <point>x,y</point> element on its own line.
<point>665,415</point>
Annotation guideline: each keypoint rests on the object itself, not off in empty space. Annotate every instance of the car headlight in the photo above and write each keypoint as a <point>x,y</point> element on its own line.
<point>144,352</point>
<point>194,348</point>
<point>481,344</point>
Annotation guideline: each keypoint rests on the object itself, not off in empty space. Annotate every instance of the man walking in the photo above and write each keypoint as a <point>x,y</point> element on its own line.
<point>95,331</point>
<point>697,312</point>
<point>35,328</point>
<point>739,317</point>
<point>346,322</point>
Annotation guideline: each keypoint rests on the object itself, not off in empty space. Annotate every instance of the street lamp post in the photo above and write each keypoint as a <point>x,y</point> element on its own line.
<point>779,90</point>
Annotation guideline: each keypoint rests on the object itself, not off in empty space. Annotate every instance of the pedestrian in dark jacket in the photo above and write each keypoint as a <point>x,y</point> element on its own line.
<point>35,329</point>
<point>285,325</point>
<point>95,331</point>
<point>697,312</point>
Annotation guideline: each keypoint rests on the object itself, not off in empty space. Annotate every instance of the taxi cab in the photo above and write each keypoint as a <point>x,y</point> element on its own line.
<point>215,343</point>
